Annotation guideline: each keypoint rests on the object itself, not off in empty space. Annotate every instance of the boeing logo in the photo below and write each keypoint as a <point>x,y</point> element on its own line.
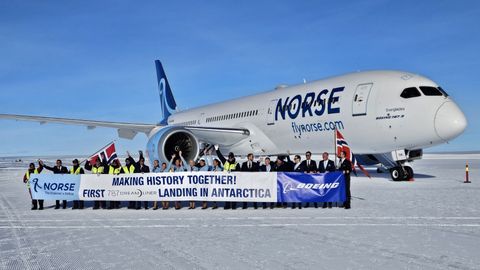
<point>310,186</point>
<point>309,104</point>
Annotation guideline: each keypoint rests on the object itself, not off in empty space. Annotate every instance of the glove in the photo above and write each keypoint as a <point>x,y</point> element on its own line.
<point>216,146</point>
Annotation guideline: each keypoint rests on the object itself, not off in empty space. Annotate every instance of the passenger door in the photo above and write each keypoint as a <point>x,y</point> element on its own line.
<point>360,99</point>
<point>270,115</point>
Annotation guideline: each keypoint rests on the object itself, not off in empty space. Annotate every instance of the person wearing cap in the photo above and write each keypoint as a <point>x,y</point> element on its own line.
<point>115,168</point>
<point>283,164</point>
<point>76,169</point>
<point>36,204</point>
<point>58,169</point>
<point>178,167</point>
<point>250,166</point>
<point>229,165</point>
<point>267,167</point>
<point>129,168</point>
<point>98,168</point>
<point>142,168</point>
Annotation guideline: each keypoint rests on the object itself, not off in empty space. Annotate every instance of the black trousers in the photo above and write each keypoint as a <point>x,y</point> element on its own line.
<point>64,204</point>
<point>347,190</point>
<point>37,203</point>
<point>78,204</point>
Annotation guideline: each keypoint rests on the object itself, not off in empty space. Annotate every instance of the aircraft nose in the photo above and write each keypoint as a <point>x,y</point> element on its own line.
<point>449,121</point>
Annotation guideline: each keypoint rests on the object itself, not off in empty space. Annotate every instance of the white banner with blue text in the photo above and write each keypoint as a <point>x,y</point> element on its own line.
<point>180,186</point>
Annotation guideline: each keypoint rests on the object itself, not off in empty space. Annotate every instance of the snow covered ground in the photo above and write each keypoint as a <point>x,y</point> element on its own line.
<point>431,223</point>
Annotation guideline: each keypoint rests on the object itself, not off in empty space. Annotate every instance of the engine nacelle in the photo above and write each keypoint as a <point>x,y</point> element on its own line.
<point>167,141</point>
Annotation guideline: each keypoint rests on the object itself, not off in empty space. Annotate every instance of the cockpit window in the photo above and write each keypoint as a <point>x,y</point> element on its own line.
<point>410,92</point>
<point>430,91</point>
<point>443,91</point>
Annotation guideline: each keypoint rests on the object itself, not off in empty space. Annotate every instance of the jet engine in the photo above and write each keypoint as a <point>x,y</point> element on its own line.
<point>164,142</point>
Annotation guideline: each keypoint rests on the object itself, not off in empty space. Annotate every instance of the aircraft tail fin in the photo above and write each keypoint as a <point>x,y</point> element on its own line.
<point>167,101</point>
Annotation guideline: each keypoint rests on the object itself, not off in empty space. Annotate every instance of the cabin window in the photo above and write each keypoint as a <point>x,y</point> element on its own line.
<point>430,91</point>
<point>410,92</point>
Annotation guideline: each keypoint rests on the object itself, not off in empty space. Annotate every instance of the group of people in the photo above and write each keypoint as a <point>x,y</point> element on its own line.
<point>177,163</point>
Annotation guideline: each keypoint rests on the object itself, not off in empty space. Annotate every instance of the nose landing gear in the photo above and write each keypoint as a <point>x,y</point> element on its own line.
<point>401,173</point>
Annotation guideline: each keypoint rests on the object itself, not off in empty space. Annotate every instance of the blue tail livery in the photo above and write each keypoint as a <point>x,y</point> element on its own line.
<point>167,101</point>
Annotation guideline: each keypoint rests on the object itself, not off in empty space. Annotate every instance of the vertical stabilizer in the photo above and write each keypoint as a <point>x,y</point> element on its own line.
<point>167,101</point>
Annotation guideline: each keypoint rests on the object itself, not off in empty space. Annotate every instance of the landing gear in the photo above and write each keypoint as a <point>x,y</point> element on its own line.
<point>401,173</point>
<point>409,172</point>
<point>397,174</point>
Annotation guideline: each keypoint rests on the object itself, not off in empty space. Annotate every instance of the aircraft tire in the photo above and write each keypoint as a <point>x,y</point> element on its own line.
<point>397,174</point>
<point>409,172</point>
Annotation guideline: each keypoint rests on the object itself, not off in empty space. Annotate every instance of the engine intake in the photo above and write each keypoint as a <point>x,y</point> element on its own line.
<point>168,141</point>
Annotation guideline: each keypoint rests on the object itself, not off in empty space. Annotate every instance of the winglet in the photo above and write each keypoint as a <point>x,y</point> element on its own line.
<point>167,101</point>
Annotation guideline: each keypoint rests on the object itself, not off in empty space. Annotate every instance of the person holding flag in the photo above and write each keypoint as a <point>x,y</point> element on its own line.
<point>346,167</point>
<point>342,145</point>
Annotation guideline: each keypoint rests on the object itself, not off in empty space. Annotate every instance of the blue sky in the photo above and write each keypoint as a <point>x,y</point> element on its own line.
<point>94,59</point>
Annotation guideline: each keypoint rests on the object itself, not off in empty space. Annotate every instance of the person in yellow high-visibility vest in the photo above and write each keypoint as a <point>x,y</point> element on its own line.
<point>229,165</point>
<point>115,168</point>
<point>36,204</point>
<point>76,169</point>
<point>97,168</point>
<point>130,168</point>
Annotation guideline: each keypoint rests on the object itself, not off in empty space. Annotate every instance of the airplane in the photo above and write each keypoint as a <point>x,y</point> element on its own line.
<point>388,117</point>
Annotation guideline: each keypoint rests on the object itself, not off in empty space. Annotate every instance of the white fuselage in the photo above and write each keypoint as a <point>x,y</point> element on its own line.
<point>365,106</point>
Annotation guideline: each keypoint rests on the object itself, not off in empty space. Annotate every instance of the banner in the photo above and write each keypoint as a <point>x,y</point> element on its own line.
<point>302,187</point>
<point>181,186</point>
<point>54,186</point>
<point>191,186</point>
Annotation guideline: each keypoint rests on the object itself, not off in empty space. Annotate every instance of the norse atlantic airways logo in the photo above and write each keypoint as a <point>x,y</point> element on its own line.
<point>310,104</point>
<point>54,186</point>
<point>35,184</point>
<point>168,103</point>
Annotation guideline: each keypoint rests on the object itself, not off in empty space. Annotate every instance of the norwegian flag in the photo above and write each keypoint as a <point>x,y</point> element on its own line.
<point>342,145</point>
<point>108,151</point>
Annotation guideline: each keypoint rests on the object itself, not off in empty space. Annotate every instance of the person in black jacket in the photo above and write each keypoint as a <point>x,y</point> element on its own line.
<point>308,164</point>
<point>229,165</point>
<point>142,168</point>
<point>58,169</point>
<point>324,166</point>
<point>346,168</point>
<point>298,167</point>
<point>283,166</point>
<point>250,166</point>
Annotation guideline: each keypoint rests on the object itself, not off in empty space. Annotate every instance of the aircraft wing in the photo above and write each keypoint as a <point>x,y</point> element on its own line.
<point>125,130</point>
<point>222,136</point>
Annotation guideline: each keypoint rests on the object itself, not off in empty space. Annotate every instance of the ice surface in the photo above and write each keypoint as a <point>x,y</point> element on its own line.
<point>431,223</point>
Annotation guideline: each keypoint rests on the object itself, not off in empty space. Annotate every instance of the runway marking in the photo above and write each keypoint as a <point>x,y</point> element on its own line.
<point>244,218</point>
<point>240,225</point>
